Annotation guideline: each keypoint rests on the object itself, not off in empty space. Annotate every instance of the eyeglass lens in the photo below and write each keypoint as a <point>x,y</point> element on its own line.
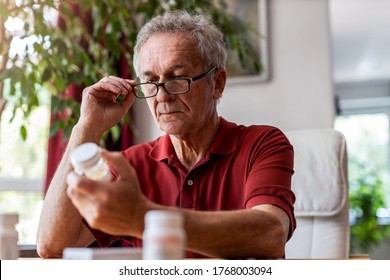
<point>175,86</point>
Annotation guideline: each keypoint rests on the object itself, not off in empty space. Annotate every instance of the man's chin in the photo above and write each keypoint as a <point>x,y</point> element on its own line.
<point>171,127</point>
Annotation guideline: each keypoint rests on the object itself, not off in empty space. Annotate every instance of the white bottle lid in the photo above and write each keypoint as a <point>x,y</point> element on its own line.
<point>9,220</point>
<point>164,236</point>
<point>163,218</point>
<point>84,156</point>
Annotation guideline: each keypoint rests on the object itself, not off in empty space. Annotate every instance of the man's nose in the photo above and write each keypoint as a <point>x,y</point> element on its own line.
<point>163,95</point>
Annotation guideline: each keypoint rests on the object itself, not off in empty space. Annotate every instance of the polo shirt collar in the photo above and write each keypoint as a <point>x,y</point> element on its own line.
<point>224,143</point>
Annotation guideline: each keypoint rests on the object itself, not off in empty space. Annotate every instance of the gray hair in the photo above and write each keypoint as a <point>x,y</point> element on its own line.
<point>207,37</point>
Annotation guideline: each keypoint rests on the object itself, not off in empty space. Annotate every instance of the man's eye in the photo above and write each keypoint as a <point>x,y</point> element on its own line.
<point>180,77</point>
<point>149,79</point>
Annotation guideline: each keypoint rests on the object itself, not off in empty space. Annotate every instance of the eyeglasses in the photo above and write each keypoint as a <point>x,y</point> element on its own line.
<point>171,86</point>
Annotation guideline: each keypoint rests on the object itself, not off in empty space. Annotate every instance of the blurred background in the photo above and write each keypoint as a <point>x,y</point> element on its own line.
<point>327,65</point>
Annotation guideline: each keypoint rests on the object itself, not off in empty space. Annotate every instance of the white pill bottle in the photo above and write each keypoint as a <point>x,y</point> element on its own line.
<point>164,236</point>
<point>9,249</point>
<point>86,160</point>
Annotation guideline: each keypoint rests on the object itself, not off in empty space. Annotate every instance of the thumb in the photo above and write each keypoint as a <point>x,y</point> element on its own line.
<point>127,101</point>
<point>119,163</point>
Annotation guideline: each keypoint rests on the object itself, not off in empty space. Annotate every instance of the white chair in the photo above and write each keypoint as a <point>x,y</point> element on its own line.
<point>320,185</point>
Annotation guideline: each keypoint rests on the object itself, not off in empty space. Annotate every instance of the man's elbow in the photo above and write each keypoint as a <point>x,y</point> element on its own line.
<point>274,247</point>
<point>277,244</point>
<point>278,252</point>
<point>46,251</point>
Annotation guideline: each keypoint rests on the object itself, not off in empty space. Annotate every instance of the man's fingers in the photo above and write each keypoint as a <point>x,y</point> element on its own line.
<point>127,101</point>
<point>125,83</point>
<point>117,83</point>
<point>119,162</point>
<point>113,85</point>
<point>80,185</point>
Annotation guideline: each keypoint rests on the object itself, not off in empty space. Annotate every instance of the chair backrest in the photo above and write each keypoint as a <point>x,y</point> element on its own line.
<point>320,184</point>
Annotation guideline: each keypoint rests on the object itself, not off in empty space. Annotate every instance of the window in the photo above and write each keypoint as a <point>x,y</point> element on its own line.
<point>23,162</point>
<point>367,137</point>
<point>364,119</point>
<point>22,168</point>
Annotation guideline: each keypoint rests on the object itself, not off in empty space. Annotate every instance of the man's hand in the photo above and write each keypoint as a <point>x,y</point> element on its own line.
<point>117,207</point>
<point>99,109</point>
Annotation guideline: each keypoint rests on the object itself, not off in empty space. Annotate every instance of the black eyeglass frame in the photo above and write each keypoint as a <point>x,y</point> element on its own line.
<point>189,80</point>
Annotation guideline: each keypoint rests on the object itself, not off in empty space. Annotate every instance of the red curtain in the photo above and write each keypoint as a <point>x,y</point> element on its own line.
<point>57,144</point>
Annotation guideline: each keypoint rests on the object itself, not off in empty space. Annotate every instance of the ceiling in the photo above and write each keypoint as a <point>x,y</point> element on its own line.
<point>360,39</point>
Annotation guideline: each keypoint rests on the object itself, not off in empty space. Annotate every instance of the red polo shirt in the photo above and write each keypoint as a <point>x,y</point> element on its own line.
<point>245,167</point>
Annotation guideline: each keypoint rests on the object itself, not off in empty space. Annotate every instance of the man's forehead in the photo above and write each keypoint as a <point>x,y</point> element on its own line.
<point>168,44</point>
<point>149,72</point>
<point>168,51</point>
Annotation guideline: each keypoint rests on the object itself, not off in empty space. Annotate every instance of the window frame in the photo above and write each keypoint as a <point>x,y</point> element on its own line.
<point>22,184</point>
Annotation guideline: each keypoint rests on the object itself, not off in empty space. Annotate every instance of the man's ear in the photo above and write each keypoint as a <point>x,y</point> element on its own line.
<point>220,82</point>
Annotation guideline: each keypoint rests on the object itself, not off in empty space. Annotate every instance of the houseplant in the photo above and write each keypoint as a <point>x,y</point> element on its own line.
<point>366,193</point>
<point>95,36</point>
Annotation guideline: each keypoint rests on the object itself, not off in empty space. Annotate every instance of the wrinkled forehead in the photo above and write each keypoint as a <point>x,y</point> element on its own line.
<point>169,48</point>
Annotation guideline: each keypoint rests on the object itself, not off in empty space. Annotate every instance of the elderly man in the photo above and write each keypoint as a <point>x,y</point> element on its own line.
<point>232,184</point>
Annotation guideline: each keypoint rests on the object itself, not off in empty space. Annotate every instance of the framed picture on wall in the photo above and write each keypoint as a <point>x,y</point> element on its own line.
<point>254,13</point>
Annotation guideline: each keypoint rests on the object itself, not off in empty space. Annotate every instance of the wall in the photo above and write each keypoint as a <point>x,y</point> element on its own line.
<point>299,93</point>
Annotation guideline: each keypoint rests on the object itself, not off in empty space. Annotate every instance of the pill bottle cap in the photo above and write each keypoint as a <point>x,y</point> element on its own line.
<point>85,156</point>
<point>163,218</point>
<point>9,220</point>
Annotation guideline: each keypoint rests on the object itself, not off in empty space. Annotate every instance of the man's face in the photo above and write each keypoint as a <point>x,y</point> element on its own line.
<point>168,56</point>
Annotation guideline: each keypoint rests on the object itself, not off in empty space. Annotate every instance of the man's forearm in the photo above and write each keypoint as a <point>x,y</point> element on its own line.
<point>60,224</point>
<point>259,233</point>
<point>237,234</point>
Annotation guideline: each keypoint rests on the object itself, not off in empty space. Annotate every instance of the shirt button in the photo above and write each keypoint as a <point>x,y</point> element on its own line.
<point>190,182</point>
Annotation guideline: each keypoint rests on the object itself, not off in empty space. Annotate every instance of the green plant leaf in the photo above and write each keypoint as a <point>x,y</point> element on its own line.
<point>46,74</point>
<point>55,128</point>
<point>115,132</point>
<point>23,132</point>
